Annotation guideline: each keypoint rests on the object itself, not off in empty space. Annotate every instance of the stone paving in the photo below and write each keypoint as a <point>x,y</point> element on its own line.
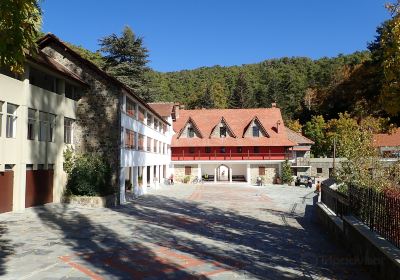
<point>180,232</point>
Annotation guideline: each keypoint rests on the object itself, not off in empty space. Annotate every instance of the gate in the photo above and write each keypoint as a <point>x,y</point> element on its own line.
<point>6,191</point>
<point>39,187</point>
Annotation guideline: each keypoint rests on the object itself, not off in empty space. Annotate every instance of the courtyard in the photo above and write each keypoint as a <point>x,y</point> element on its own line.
<point>210,231</point>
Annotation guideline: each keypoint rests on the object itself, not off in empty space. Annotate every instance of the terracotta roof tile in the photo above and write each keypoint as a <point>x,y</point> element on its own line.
<point>238,120</point>
<point>163,109</point>
<point>387,140</point>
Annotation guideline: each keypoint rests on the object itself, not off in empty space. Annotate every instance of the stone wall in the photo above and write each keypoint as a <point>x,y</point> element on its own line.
<point>180,172</point>
<point>324,165</point>
<point>271,172</point>
<point>97,127</point>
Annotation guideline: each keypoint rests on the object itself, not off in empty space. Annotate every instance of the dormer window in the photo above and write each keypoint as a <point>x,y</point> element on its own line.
<point>222,132</point>
<point>256,131</point>
<point>190,132</point>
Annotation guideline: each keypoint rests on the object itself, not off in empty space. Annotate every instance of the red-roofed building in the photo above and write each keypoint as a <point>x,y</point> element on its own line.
<point>230,144</point>
<point>388,144</point>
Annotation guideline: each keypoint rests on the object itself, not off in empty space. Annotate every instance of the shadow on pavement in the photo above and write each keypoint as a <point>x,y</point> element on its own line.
<point>6,248</point>
<point>101,252</point>
<point>256,248</point>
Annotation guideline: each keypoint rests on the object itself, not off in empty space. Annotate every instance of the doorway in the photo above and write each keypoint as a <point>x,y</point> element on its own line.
<point>223,173</point>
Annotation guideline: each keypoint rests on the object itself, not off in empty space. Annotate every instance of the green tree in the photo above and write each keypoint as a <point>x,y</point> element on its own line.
<point>294,125</point>
<point>287,175</point>
<point>20,22</point>
<point>219,95</point>
<point>242,97</point>
<point>126,59</point>
<point>206,100</point>
<point>315,129</point>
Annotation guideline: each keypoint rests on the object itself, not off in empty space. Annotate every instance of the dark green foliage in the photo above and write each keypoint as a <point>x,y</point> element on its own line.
<point>88,174</point>
<point>242,96</point>
<point>126,59</point>
<point>286,173</point>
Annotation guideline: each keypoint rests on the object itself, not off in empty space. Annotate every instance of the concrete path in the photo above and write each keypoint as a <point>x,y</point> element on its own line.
<point>180,232</point>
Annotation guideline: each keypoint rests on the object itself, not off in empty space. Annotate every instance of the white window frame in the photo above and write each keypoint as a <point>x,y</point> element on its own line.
<point>11,128</point>
<point>68,130</point>
<point>43,126</point>
<point>1,116</point>
<point>52,126</point>
<point>31,124</point>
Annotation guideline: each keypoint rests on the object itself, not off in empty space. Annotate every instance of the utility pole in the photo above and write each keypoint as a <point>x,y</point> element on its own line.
<point>334,155</point>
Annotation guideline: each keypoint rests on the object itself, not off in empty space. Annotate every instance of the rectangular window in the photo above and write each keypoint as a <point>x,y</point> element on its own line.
<point>256,150</point>
<point>129,139</point>
<point>52,127</point>
<point>72,92</point>
<point>223,150</point>
<point>149,144</point>
<point>149,120</point>
<point>29,167</point>
<point>188,170</point>
<point>256,131</point>
<point>130,108</point>
<point>222,131</point>
<point>140,142</point>
<point>1,116</point>
<point>239,150</point>
<point>40,167</point>
<point>141,114</point>
<point>68,123</point>
<point>31,124</point>
<point>319,170</point>
<point>191,150</point>
<point>190,132</point>
<point>155,150</point>
<point>261,170</point>
<point>43,123</point>
<point>11,124</point>
<point>208,150</point>
<point>50,167</point>
<point>156,124</point>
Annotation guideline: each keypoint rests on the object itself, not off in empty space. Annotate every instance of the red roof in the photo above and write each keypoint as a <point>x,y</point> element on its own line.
<point>237,120</point>
<point>298,137</point>
<point>387,140</point>
<point>164,109</point>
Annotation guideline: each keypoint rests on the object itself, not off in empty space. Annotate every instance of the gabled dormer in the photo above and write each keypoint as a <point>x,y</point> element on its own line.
<point>222,130</point>
<point>255,129</point>
<point>190,130</point>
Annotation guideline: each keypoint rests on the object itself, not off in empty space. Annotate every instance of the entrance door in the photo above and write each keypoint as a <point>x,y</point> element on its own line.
<point>6,191</point>
<point>223,173</point>
<point>39,187</point>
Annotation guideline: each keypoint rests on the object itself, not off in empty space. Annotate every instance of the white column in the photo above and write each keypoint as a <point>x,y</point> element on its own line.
<point>144,181</point>
<point>230,174</point>
<point>122,199</point>
<point>157,183</point>
<point>134,176</point>
<point>151,183</point>
<point>248,174</point>
<point>215,175</point>
<point>19,187</point>
<point>199,171</point>
<point>280,169</point>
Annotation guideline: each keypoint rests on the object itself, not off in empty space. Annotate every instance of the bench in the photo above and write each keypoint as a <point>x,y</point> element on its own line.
<point>210,178</point>
<point>238,178</point>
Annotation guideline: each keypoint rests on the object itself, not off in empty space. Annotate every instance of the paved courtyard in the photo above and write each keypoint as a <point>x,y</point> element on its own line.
<point>180,232</point>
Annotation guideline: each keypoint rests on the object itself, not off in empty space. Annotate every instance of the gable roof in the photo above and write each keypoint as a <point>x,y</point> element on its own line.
<point>50,38</point>
<point>222,120</point>
<point>298,137</point>
<point>195,126</point>
<point>387,140</point>
<point>164,109</point>
<point>237,119</point>
<point>255,118</point>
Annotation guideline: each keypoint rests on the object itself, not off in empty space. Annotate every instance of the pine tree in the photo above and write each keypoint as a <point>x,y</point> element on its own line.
<point>126,59</point>
<point>242,96</point>
<point>206,100</point>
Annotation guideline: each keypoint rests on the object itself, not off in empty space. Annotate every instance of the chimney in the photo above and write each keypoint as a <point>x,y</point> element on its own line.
<point>278,123</point>
<point>175,112</point>
<point>273,105</point>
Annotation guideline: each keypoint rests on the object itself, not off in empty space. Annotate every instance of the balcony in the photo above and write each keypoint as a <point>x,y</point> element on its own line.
<point>301,162</point>
<point>231,156</point>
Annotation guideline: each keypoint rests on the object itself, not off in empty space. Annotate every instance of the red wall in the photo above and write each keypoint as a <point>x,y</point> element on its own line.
<point>264,153</point>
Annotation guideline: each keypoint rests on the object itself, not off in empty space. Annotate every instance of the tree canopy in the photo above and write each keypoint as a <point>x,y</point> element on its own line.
<point>20,23</point>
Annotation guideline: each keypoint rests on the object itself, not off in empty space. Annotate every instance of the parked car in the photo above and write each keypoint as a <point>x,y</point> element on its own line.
<point>303,180</point>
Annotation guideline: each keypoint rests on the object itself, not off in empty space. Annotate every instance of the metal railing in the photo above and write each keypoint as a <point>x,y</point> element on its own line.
<point>335,201</point>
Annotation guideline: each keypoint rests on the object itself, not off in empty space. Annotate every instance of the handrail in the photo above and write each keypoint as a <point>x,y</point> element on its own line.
<point>231,156</point>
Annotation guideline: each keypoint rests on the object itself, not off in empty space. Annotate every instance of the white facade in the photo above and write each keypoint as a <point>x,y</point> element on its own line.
<point>144,164</point>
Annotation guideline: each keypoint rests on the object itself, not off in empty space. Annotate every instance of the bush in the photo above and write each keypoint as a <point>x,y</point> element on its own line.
<point>186,179</point>
<point>88,174</point>
<point>286,173</point>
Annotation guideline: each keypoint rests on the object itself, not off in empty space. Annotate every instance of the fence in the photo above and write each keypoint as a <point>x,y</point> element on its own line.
<point>380,212</point>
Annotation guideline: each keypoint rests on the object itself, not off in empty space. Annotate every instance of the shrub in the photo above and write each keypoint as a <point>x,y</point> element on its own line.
<point>186,179</point>
<point>88,174</point>
<point>286,173</point>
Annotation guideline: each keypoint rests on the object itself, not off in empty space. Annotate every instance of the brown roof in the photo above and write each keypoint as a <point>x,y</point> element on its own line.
<point>238,120</point>
<point>387,140</point>
<point>164,109</point>
<point>43,59</point>
<point>298,137</point>
<point>51,38</point>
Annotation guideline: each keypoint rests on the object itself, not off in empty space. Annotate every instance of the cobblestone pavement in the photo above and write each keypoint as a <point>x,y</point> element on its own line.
<point>179,232</point>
